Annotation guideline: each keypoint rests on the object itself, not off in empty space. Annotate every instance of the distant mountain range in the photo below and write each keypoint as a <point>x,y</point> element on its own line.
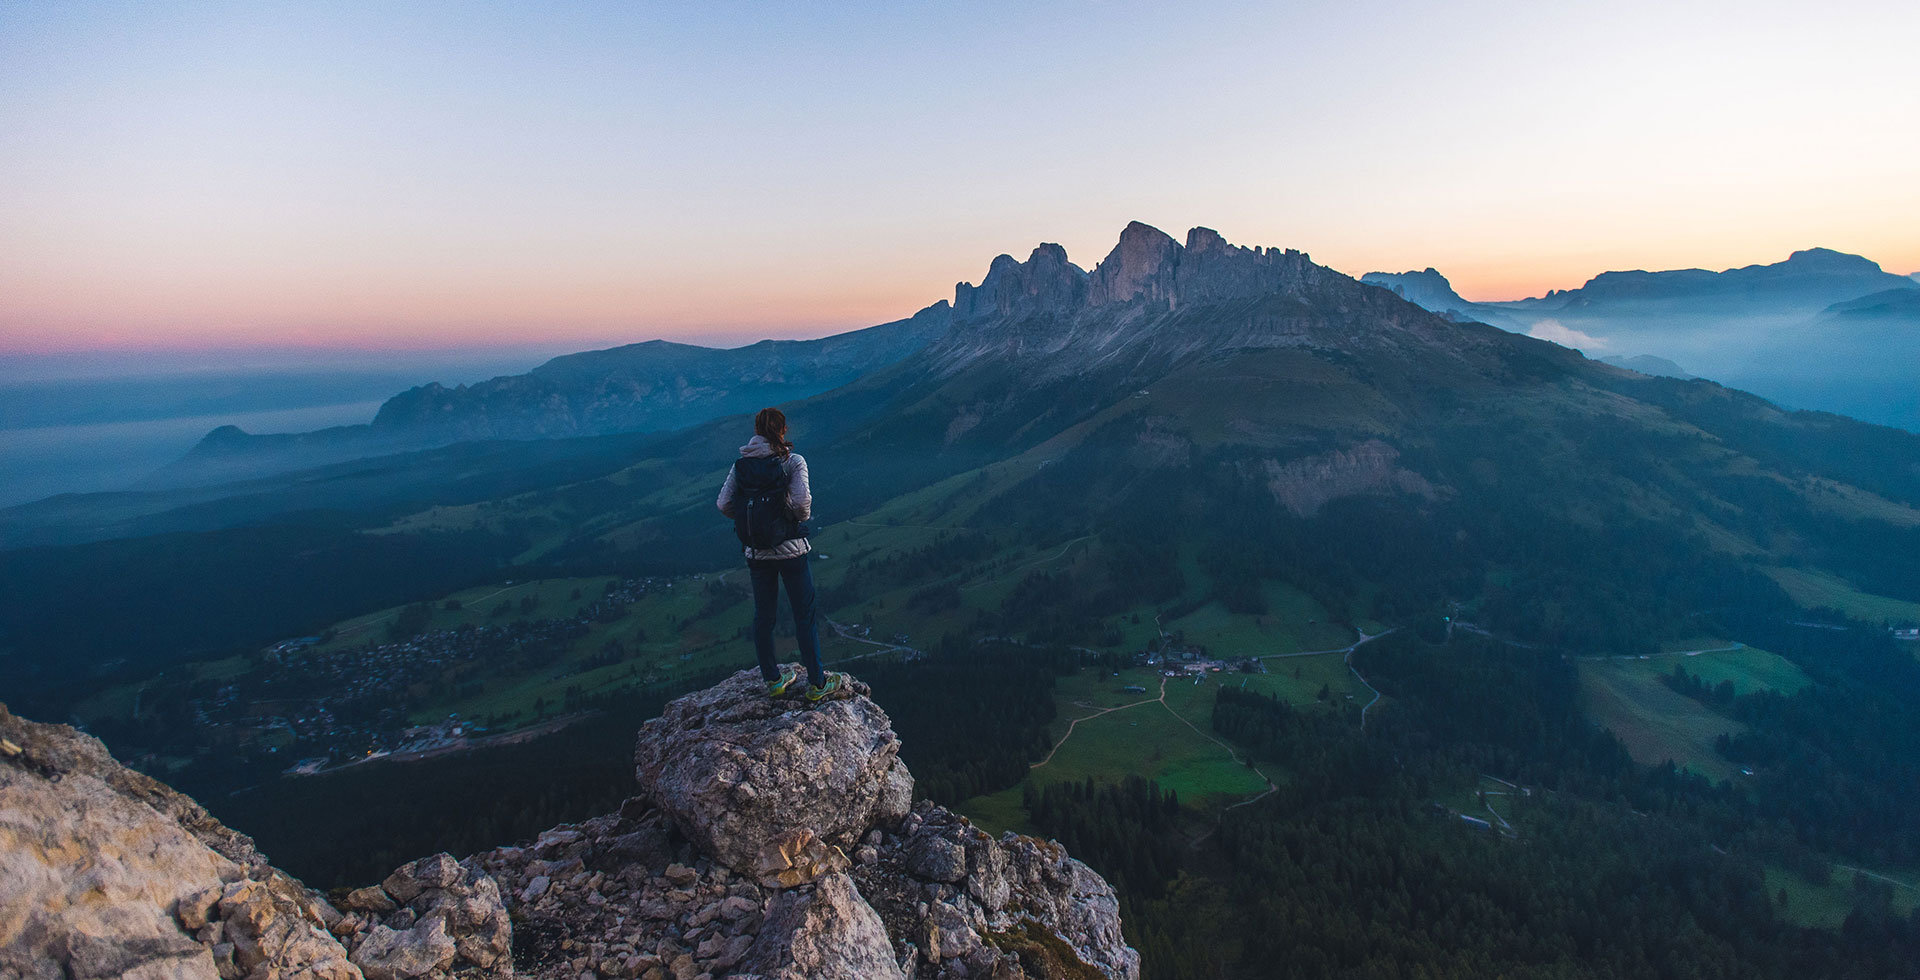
<point>1810,279</point>
<point>1902,302</point>
<point>644,387</point>
<point>1821,329</point>
<point>660,385</point>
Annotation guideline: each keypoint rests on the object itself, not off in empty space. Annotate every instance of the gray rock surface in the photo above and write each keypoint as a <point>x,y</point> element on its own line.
<point>740,868</point>
<point>696,878</point>
<point>735,769</point>
<point>105,872</point>
<point>434,917</point>
<point>824,932</point>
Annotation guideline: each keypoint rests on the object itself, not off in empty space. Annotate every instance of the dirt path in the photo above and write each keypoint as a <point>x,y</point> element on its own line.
<point>1076,722</point>
<point>1348,660</point>
<point>1675,653</point>
<point>840,631</point>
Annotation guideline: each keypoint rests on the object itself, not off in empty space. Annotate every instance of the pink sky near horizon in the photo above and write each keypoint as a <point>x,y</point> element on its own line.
<point>338,176</point>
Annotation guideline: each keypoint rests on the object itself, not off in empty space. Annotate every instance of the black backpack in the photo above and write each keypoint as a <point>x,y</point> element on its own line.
<point>760,516</point>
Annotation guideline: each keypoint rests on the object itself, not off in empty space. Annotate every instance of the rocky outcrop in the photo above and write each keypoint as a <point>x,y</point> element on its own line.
<point>1140,267</point>
<point>748,779</point>
<point>434,917</point>
<point>1304,485</point>
<point>105,872</point>
<point>768,839</point>
<point>1044,284</point>
<point>1154,302</point>
<point>772,839</point>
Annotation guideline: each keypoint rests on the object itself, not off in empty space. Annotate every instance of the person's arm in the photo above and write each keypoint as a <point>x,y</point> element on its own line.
<point>799,494</point>
<point>725,500</point>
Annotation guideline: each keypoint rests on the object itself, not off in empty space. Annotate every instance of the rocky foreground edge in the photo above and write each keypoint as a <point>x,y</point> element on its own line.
<point>767,839</point>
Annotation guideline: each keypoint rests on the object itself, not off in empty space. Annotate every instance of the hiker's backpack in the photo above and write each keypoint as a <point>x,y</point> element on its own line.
<point>760,516</point>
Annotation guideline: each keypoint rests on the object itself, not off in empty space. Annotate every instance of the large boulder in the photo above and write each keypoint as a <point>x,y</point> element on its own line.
<point>105,872</point>
<point>432,918</point>
<point>824,932</point>
<point>966,904</point>
<point>736,770</point>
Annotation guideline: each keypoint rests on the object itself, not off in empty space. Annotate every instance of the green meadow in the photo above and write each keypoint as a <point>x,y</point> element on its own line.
<point>1657,723</point>
<point>1814,589</point>
<point>1826,906</point>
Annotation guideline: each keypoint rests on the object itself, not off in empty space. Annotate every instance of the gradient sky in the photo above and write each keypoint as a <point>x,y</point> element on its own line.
<point>436,175</point>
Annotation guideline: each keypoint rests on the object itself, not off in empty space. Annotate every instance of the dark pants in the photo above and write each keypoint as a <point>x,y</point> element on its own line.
<point>767,576</point>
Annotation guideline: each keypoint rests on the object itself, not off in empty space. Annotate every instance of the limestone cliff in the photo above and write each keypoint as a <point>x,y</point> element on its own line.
<point>767,839</point>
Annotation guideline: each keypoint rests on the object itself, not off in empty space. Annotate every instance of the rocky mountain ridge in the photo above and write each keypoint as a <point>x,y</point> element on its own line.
<point>768,839</point>
<point>1153,301</point>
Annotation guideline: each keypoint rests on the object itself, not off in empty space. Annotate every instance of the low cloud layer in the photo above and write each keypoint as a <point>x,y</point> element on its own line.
<point>1566,336</point>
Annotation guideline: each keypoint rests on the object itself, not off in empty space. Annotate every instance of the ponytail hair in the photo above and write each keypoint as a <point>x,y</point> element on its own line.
<point>771,424</point>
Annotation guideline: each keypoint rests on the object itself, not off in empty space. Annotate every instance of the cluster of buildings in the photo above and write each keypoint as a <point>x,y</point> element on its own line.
<point>1190,662</point>
<point>332,708</point>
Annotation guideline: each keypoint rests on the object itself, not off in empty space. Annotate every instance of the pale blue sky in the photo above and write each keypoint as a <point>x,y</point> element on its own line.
<point>368,174</point>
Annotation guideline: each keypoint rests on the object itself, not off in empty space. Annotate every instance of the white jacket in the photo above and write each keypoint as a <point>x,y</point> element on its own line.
<point>799,499</point>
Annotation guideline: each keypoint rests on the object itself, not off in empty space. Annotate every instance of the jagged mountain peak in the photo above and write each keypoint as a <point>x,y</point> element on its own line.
<point>1045,282</point>
<point>1154,300</point>
<point>1146,265</point>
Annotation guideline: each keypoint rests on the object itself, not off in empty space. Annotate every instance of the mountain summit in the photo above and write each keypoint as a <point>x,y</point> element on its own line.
<point>767,840</point>
<point>1154,301</point>
<point>1147,266</point>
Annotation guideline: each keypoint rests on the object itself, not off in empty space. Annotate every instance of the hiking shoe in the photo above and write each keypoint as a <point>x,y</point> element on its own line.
<point>789,676</point>
<point>835,681</point>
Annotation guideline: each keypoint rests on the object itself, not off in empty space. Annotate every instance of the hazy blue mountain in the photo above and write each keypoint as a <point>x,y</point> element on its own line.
<point>1808,280</point>
<point>644,387</point>
<point>1821,330</point>
<point>1427,289</point>
<point>1901,303</point>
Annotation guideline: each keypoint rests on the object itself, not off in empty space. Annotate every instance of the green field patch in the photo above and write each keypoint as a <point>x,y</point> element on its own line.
<point>673,631</point>
<point>1655,722</point>
<point>112,702</point>
<point>1827,905</point>
<point>1298,680</point>
<point>1472,798</point>
<point>1814,589</point>
<point>997,813</point>
<point>1746,668</point>
<point>1092,688</point>
<point>478,606</point>
<point>1292,623</point>
<point>1149,741</point>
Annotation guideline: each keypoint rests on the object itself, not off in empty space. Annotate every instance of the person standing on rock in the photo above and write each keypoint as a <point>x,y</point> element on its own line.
<point>767,495</point>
